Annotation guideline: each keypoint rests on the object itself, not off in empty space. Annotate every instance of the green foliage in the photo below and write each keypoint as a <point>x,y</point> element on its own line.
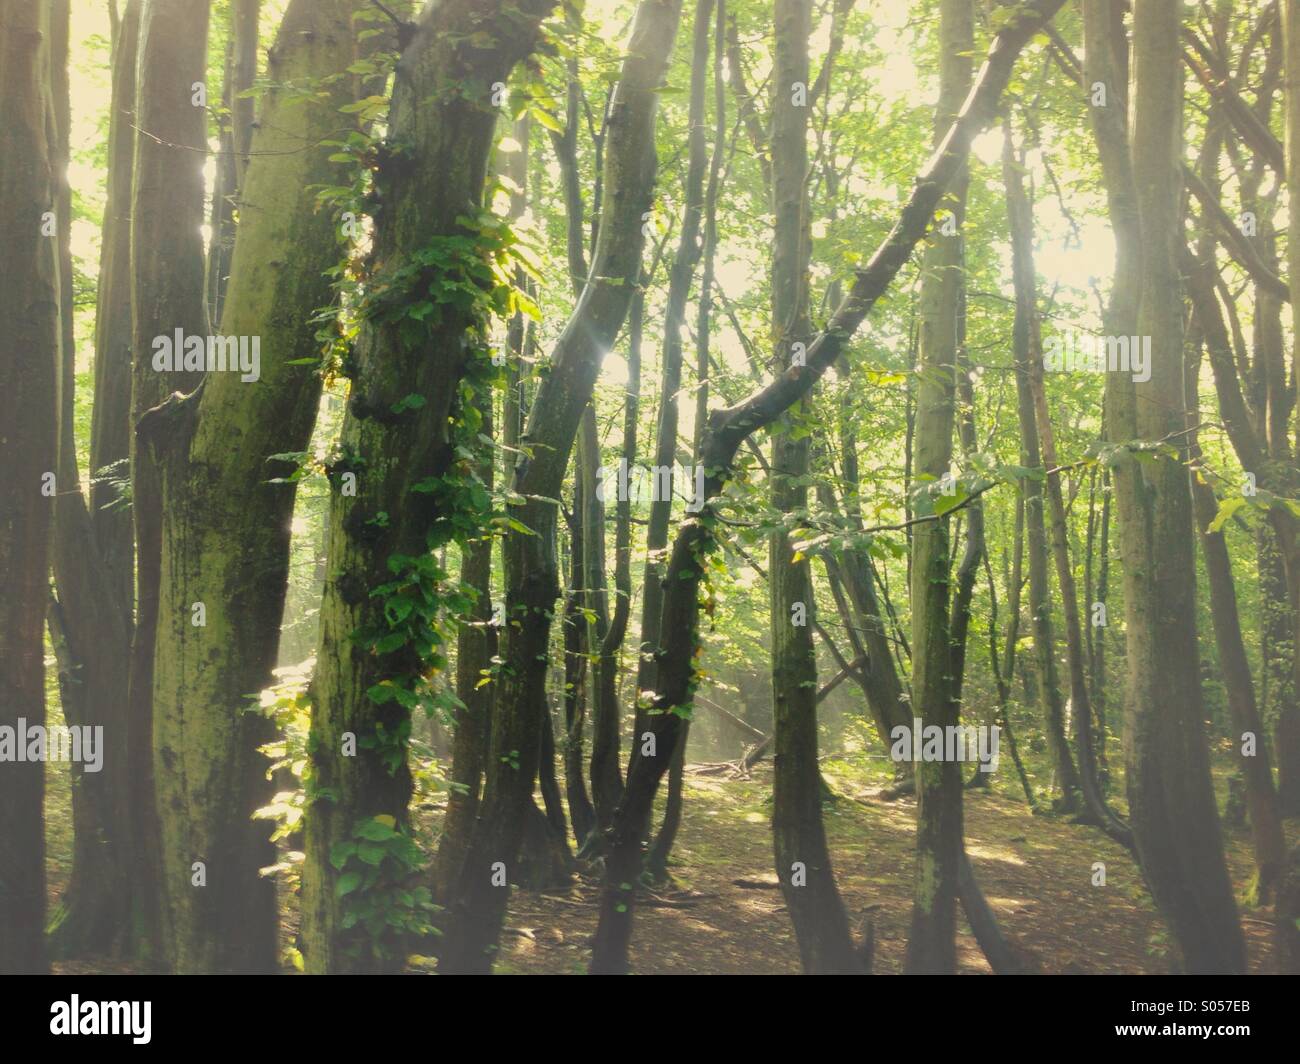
<point>388,911</point>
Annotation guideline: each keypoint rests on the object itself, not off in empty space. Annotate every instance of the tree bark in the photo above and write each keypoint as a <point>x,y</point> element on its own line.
<point>433,164</point>
<point>166,294</point>
<point>1171,799</point>
<point>30,307</point>
<point>1288,725</point>
<point>803,860</point>
<point>932,942</point>
<point>110,430</point>
<point>681,276</point>
<point>532,585</point>
<point>214,450</point>
<point>477,641</point>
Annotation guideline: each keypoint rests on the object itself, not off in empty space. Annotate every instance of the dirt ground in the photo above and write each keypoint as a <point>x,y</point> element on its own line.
<point>725,914</point>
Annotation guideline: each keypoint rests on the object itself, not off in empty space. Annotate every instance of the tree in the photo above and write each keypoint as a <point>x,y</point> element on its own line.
<point>1171,801</point>
<point>931,945</point>
<point>166,296</point>
<point>532,585</point>
<point>30,316</point>
<point>227,515</point>
<point>803,862</point>
<point>398,447</point>
<point>729,428</point>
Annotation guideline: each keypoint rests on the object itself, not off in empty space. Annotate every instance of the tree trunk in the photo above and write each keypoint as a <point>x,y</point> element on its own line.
<point>110,429</point>
<point>1288,725</point>
<point>167,265</point>
<point>414,492</point>
<point>532,585</point>
<point>221,551</point>
<point>232,162</point>
<point>680,279</point>
<point>1031,487</point>
<point>932,942</point>
<point>30,307</point>
<point>607,721</point>
<point>1171,799</point>
<point>803,860</point>
<point>90,628</point>
<point>477,641</point>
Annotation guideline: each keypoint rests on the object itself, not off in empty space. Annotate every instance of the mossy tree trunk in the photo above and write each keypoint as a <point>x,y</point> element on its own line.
<point>226,524</point>
<point>432,170</point>
<point>1171,798</point>
<point>167,264</point>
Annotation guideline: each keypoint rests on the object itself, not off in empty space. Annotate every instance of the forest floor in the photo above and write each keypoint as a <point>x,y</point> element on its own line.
<point>724,912</point>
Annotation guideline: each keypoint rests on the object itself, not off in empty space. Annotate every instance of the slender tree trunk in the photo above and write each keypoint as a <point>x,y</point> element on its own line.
<point>680,279</point>
<point>932,942</point>
<point>110,429</point>
<point>679,286</point>
<point>606,725</point>
<point>477,641</point>
<point>1032,392</point>
<point>167,266</point>
<point>577,628</point>
<point>1031,487</point>
<point>90,630</point>
<point>476,646</point>
<point>803,860</point>
<point>532,585</point>
<point>235,139</point>
<point>1265,819</point>
<point>1288,725</point>
<point>1171,799</point>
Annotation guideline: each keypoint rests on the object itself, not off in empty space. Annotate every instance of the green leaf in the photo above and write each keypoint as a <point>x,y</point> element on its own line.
<point>1227,508</point>
<point>546,119</point>
<point>374,831</point>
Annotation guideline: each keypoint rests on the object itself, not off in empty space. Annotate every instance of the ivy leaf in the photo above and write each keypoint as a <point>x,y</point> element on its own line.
<point>373,831</point>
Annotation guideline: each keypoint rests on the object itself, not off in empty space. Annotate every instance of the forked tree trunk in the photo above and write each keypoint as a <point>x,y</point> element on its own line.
<point>407,379</point>
<point>214,449</point>
<point>1171,798</point>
